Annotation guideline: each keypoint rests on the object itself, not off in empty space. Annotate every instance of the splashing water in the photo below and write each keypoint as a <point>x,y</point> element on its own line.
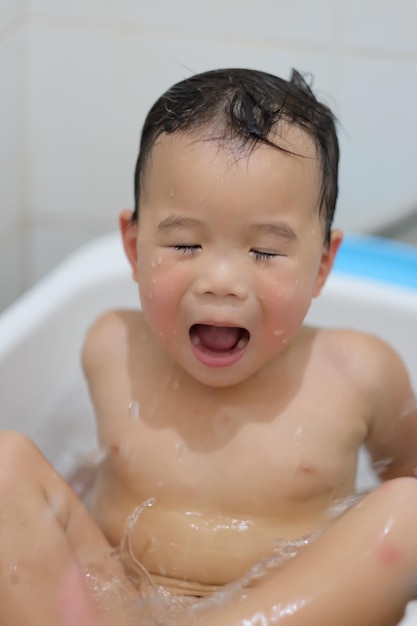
<point>154,606</point>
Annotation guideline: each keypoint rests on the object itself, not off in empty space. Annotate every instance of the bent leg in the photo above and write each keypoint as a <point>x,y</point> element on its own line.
<point>44,529</point>
<point>362,571</point>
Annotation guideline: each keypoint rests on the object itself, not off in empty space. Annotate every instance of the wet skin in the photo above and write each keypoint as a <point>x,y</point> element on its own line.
<point>249,423</point>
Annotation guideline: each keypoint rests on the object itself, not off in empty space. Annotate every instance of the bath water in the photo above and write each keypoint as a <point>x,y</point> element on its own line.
<point>154,606</point>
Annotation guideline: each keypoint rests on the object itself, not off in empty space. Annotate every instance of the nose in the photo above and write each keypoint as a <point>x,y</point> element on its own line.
<point>221,278</point>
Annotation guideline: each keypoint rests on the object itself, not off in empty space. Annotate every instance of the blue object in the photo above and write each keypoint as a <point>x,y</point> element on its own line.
<point>378,259</point>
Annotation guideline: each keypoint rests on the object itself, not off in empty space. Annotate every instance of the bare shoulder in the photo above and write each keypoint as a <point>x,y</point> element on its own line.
<point>109,336</point>
<point>376,372</point>
<point>372,368</point>
<point>358,354</point>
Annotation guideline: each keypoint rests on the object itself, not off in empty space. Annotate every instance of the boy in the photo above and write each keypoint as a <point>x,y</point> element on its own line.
<point>241,424</point>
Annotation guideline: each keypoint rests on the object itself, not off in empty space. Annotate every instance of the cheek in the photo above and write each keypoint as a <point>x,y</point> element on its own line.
<point>160,295</point>
<point>285,307</point>
<point>160,315</point>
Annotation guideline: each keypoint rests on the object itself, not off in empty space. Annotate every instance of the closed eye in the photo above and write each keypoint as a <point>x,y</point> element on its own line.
<point>261,255</point>
<point>187,249</point>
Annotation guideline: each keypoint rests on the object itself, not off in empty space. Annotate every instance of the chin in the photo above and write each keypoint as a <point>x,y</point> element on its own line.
<point>217,378</point>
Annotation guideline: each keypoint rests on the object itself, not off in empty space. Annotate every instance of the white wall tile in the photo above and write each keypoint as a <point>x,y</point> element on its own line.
<point>10,268</point>
<point>82,118</point>
<point>93,90</point>
<point>285,20</point>
<point>11,124</point>
<point>381,24</point>
<point>185,57</point>
<point>10,11</point>
<point>112,10</point>
<point>378,101</point>
<point>98,65</point>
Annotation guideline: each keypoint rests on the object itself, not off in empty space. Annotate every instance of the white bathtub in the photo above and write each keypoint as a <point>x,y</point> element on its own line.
<point>42,391</point>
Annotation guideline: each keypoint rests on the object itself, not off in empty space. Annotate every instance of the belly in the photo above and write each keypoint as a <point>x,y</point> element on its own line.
<point>191,552</point>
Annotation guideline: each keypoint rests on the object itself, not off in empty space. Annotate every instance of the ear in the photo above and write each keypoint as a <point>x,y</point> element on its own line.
<point>327,260</point>
<point>129,232</point>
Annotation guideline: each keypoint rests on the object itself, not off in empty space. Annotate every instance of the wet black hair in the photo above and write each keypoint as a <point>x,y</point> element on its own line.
<point>247,106</point>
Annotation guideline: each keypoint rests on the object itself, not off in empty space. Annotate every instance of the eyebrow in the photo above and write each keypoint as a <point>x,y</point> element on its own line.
<point>173,222</point>
<point>277,229</point>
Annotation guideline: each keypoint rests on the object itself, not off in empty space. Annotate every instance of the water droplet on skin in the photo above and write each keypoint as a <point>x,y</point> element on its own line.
<point>134,410</point>
<point>409,407</point>
<point>150,295</point>
<point>171,193</point>
<point>162,335</point>
<point>277,333</point>
<point>159,260</point>
<point>14,576</point>
<point>180,447</point>
<point>278,611</point>
<point>175,385</point>
<point>153,264</point>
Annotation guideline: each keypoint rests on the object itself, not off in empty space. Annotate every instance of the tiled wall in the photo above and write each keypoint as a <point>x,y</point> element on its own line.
<point>77,77</point>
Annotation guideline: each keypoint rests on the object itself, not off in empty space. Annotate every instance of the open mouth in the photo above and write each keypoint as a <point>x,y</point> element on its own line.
<point>223,344</point>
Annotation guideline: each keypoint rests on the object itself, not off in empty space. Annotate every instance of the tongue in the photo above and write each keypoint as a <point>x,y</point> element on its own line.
<point>218,337</point>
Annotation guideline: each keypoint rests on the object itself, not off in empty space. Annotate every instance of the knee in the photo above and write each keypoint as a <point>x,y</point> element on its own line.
<point>18,456</point>
<point>400,494</point>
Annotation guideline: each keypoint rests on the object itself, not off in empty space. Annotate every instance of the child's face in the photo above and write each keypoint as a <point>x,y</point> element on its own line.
<point>228,251</point>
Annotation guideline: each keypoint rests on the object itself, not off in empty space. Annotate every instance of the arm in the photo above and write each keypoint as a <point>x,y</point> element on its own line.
<point>392,435</point>
<point>104,358</point>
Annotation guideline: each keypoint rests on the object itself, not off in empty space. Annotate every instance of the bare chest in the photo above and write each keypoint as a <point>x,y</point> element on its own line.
<point>224,480</point>
<point>234,461</point>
